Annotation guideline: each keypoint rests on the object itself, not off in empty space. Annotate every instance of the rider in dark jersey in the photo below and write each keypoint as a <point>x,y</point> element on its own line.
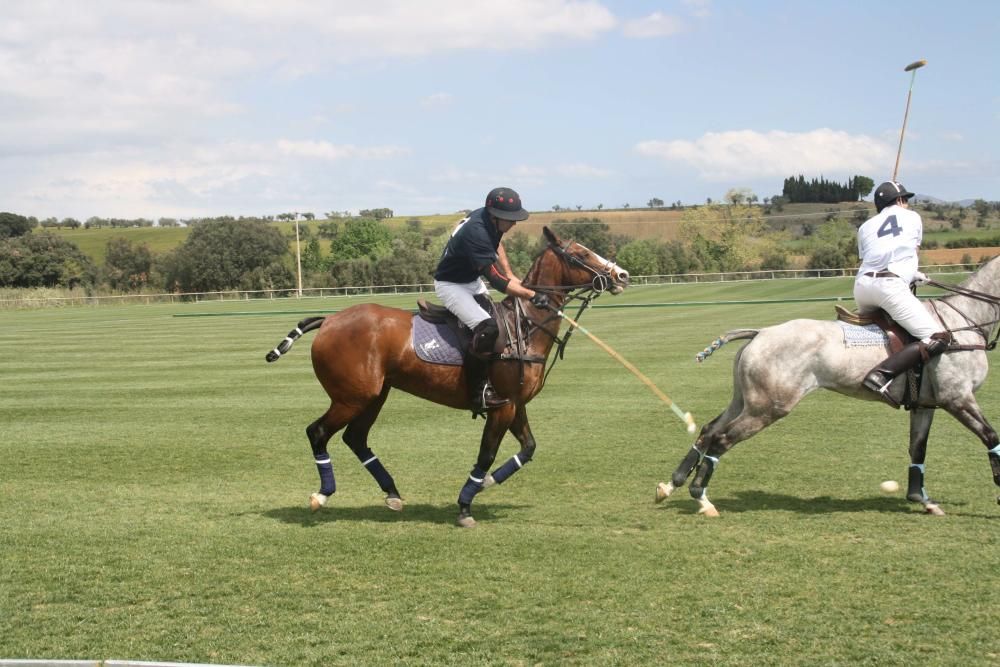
<point>475,251</point>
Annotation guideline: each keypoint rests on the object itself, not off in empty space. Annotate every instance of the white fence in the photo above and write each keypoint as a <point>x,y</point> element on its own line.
<point>28,299</point>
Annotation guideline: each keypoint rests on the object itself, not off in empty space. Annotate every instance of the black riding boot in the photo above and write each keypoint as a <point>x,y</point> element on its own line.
<point>880,377</point>
<point>482,395</point>
<point>477,366</point>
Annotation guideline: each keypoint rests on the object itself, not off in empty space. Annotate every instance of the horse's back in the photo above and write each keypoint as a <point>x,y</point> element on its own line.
<point>365,336</point>
<point>807,353</point>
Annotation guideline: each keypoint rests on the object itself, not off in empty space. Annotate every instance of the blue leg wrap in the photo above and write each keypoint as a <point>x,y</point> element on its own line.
<point>510,466</point>
<point>381,475</point>
<point>472,486</point>
<point>915,490</point>
<point>327,485</point>
<point>995,451</point>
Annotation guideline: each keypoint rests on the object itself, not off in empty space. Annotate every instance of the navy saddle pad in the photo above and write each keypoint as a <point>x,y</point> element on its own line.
<point>436,343</point>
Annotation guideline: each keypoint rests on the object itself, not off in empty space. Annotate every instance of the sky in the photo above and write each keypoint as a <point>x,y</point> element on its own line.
<point>194,108</point>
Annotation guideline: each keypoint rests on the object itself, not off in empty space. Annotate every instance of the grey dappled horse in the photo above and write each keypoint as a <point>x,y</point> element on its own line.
<point>783,363</point>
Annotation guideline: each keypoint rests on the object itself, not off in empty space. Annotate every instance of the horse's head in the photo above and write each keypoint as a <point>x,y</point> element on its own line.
<point>583,265</point>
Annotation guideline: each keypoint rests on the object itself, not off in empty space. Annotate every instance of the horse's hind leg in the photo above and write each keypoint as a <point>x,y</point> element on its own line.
<point>319,434</point>
<point>356,437</point>
<point>920,426</point>
<point>972,418</point>
<point>721,441</point>
<point>688,463</point>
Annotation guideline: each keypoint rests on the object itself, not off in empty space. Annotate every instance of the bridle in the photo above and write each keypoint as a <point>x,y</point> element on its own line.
<point>600,282</point>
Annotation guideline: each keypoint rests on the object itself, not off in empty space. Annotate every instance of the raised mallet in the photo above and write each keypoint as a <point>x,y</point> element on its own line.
<point>912,67</point>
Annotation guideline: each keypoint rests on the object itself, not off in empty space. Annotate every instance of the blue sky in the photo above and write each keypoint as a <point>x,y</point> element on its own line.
<point>188,108</point>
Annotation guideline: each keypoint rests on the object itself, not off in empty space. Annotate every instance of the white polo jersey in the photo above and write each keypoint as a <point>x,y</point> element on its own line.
<point>889,242</point>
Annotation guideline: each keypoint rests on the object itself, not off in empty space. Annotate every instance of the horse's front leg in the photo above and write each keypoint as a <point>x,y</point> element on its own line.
<point>498,420</point>
<point>522,431</point>
<point>920,427</point>
<point>972,418</point>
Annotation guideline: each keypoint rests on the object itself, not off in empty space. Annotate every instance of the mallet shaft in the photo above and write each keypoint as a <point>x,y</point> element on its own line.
<point>684,416</point>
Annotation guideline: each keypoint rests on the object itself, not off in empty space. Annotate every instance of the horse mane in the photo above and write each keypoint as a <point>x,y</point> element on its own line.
<point>535,271</point>
<point>985,278</point>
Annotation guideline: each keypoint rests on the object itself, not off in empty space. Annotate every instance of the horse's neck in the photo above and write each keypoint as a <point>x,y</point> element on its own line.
<point>985,280</point>
<point>546,272</point>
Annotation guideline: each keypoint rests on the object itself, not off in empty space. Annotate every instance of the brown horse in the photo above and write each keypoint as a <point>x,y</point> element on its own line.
<point>364,351</point>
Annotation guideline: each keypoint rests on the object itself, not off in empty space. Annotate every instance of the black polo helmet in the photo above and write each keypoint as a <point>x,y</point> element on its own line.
<point>889,192</point>
<point>505,204</point>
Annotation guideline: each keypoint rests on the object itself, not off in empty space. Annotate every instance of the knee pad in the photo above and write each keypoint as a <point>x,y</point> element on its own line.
<point>484,336</point>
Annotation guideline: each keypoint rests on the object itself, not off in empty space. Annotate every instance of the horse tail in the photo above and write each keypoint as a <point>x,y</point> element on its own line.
<point>738,334</point>
<point>305,326</point>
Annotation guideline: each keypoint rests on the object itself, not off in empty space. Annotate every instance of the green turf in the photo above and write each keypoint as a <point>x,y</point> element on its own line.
<point>154,478</point>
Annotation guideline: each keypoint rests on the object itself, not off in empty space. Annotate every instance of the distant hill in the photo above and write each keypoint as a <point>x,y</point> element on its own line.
<point>928,199</point>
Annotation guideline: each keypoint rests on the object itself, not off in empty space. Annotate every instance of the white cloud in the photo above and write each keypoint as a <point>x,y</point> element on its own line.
<point>324,150</point>
<point>654,25</point>
<point>726,156</point>
<point>700,8</point>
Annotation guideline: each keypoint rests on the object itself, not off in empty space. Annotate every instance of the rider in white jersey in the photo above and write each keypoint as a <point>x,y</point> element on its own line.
<point>887,246</point>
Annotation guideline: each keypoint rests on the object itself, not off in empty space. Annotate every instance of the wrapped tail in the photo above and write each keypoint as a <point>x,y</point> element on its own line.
<point>737,334</point>
<point>305,326</point>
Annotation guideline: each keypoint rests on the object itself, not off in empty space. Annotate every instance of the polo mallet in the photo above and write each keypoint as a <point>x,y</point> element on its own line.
<point>684,416</point>
<point>912,67</point>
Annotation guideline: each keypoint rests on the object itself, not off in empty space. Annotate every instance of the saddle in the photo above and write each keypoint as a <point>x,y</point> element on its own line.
<point>437,314</point>
<point>898,336</point>
<point>898,339</point>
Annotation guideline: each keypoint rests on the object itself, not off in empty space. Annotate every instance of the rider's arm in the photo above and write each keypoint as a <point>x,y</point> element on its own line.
<point>496,277</point>
<point>504,262</point>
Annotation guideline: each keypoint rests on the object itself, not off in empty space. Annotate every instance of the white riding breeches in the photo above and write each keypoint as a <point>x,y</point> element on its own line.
<point>460,298</point>
<point>894,297</point>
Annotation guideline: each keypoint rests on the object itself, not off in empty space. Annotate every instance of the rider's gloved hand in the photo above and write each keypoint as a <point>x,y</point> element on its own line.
<point>540,300</point>
<point>921,278</point>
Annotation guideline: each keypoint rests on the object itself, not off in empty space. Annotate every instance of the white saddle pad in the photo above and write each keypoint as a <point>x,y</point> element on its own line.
<point>870,335</point>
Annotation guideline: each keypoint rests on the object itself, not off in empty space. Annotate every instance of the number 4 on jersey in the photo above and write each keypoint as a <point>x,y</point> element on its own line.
<point>890,226</point>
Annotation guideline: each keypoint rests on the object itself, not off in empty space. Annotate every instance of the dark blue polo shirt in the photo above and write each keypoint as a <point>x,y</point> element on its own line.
<point>471,248</point>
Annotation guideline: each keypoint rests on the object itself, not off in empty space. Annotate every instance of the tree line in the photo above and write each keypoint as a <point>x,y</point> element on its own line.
<point>232,254</point>
<point>797,190</point>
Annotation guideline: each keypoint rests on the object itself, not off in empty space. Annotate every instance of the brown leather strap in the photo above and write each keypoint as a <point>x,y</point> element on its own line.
<point>880,274</point>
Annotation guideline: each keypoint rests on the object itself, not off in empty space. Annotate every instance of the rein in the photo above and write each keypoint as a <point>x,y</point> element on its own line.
<point>984,329</point>
<point>583,292</point>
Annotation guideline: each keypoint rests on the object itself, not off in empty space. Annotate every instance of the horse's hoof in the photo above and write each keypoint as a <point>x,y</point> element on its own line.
<point>466,521</point>
<point>395,503</point>
<point>708,510</point>
<point>488,482</point>
<point>663,491</point>
<point>933,508</point>
<point>316,501</point>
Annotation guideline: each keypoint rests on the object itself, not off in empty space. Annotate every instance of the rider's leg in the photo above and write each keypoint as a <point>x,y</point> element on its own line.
<point>880,377</point>
<point>477,365</point>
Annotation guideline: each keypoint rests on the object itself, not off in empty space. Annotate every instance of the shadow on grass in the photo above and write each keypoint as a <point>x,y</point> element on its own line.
<point>416,513</point>
<point>756,500</point>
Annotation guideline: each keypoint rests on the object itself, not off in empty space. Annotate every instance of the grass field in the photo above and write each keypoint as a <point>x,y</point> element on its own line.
<point>154,479</point>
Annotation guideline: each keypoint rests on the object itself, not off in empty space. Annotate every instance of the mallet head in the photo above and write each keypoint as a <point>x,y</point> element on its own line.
<point>915,65</point>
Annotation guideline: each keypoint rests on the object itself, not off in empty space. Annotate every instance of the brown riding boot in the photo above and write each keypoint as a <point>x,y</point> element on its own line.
<point>880,378</point>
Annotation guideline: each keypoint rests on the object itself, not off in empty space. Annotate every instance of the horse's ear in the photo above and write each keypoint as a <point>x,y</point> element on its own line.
<point>550,235</point>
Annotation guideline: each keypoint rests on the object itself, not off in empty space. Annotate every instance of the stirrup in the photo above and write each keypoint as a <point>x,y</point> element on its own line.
<point>487,399</point>
<point>882,390</point>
